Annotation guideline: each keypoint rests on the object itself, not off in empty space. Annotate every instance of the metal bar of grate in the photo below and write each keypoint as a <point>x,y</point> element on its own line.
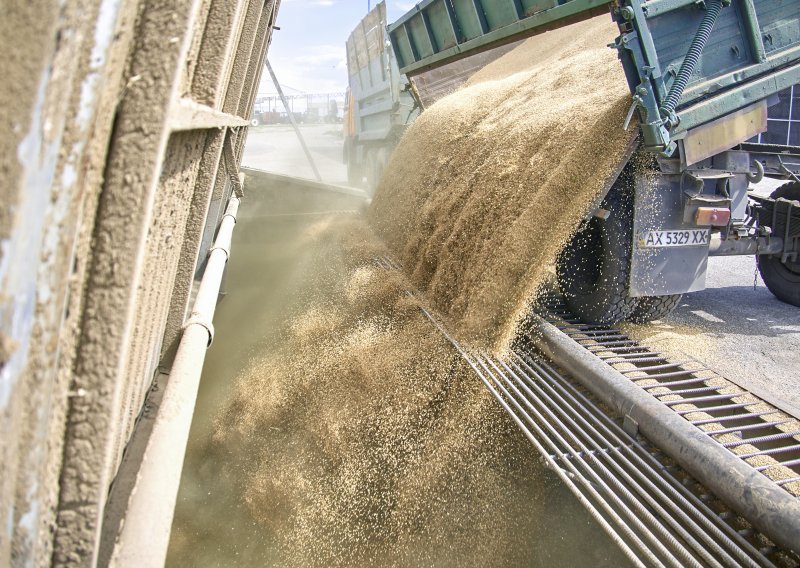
<point>783,464</point>
<point>619,351</point>
<point>773,451</point>
<point>656,367</point>
<point>763,439</point>
<point>676,383</point>
<point>746,428</point>
<point>650,357</point>
<point>745,416</point>
<point>670,374</point>
<point>697,399</point>
<point>604,346</point>
<point>593,333</point>
<point>789,480</point>
<point>650,388</point>
<point>724,407</point>
<point>649,514</point>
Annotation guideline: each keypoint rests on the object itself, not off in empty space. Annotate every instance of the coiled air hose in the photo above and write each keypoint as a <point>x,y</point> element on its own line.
<point>713,8</point>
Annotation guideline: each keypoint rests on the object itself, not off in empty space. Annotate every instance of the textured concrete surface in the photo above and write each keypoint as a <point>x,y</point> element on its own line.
<point>97,200</point>
<point>59,106</point>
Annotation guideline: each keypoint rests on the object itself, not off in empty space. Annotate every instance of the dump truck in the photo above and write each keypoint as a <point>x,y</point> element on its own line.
<point>378,107</point>
<point>702,75</point>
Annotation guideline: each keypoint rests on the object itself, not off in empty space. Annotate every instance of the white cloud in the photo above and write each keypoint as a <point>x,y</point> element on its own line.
<point>311,68</point>
<point>315,2</point>
<point>329,55</point>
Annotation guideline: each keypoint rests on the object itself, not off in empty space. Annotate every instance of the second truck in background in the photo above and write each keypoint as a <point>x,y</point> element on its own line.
<point>378,106</point>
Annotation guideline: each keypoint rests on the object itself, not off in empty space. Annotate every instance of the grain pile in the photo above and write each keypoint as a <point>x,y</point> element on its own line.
<point>490,182</point>
<point>360,438</point>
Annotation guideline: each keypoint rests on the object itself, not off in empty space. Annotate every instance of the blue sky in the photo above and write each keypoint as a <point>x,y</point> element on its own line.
<point>308,51</point>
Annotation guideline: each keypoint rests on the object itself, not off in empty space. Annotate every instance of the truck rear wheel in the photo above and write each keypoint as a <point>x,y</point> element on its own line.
<point>377,158</point>
<point>354,174</point>
<point>593,269</point>
<point>782,278</point>
<point>649,308</point>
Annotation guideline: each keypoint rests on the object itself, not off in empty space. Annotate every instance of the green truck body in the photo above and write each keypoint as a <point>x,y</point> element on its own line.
<point>702,74</point>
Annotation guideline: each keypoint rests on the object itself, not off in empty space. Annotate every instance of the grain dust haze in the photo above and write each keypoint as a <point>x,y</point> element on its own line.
<point>355,435</point>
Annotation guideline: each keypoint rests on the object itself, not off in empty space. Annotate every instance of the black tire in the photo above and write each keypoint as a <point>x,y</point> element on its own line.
<point>593,269</point>
<point>649,308</point>
<point>782,278</point>
<point>377,158</point>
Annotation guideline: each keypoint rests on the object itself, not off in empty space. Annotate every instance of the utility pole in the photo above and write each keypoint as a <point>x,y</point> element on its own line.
<point>289,110</point>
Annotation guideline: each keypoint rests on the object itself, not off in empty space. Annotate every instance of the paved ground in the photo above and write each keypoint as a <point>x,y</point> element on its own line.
<point>735,326</point>
<point>738,329</point>
<point>277,149</point>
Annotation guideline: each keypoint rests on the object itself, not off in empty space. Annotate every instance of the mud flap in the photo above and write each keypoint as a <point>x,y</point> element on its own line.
<point>669,254</point>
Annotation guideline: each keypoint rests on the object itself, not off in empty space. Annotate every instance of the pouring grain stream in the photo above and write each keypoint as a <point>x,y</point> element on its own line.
<point>362,438</point>
<point>490,182</point>
<point>359,437</point>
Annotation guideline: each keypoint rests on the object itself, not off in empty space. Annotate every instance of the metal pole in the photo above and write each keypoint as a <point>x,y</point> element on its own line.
<point>292,120</point>
<point>144,538</point>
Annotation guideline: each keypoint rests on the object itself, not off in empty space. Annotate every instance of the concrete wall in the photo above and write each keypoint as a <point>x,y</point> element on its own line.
<point>115,115</point>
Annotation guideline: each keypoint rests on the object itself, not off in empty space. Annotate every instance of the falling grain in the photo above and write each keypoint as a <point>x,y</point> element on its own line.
<point>490,182</point>
<point>361,437</point>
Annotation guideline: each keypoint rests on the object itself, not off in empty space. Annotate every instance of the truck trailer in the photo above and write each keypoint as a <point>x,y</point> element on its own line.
<point>379,101</point>
<point>702,75</point>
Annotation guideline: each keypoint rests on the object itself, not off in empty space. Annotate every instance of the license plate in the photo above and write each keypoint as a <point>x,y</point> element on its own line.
<point>686,238</point>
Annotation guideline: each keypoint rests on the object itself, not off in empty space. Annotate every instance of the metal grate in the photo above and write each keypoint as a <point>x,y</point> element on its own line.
<point>650,507</point>
<point>753,430</point>
<point>783,120</point>
<point>654,518</point>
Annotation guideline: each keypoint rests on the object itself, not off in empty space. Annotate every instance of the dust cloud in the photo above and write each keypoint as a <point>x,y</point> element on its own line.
<point>355,435</point>
<point>359,437</point>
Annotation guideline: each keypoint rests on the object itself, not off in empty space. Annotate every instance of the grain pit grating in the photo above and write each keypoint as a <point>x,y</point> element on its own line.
<point>651,508</point>
<point>751,429</point>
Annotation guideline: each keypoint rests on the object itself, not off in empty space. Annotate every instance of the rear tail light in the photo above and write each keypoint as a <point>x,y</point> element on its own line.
<point>714,216</point>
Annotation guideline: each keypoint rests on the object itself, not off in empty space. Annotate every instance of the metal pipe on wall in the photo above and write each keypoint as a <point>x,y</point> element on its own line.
<point>144,538</point>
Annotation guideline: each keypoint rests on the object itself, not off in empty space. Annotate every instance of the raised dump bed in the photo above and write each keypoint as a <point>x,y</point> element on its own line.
<point>702,76</point>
